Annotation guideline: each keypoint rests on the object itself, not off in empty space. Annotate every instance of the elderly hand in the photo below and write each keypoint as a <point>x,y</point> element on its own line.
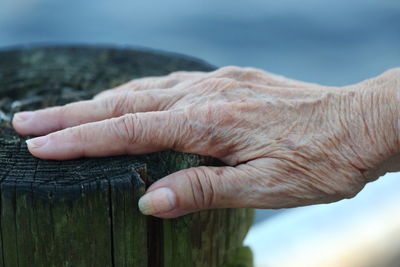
<point>286,143</point>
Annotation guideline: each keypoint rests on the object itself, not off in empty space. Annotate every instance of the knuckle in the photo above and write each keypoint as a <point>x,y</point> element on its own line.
<point>144,83</point>
<point>117,105</point>
<point>63,114</point>
<point>251,70</point>
<point>229,70</point>
<point>105,93</point>
<point>136,84</point>
<point>219,84</point>
<point>203,191</point>
<point>125,127</point>
<point>253,73</point>
<point>170,82</point>
<point>240,73</point>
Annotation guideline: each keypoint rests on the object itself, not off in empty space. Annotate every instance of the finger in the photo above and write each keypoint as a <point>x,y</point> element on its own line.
<point>197,189</point>
<point>137,133</point>
<point>262,183</point>
<point>56,118</point>
<point>148,83</point>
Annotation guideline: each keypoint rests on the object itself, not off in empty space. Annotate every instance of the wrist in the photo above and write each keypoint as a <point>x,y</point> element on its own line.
<point>384,94</point>
<point>392,86</point>
<point>390,107</point>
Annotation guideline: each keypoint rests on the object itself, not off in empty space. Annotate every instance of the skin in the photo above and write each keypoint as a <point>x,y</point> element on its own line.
<point>287,143</point>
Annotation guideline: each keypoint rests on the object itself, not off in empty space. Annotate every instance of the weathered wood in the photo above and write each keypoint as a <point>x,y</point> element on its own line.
<point>84,212</point>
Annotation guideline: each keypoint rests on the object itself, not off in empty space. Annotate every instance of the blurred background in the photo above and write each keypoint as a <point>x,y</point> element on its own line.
<point>333,43</point>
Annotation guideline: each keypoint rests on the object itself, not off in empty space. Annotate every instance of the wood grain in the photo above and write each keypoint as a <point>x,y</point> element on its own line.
<point>84,212</point>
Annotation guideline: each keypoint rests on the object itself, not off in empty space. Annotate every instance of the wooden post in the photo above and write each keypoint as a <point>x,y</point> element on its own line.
<point>84,212</point>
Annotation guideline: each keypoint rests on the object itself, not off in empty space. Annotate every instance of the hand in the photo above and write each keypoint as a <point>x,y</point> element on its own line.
<point>286,143</point>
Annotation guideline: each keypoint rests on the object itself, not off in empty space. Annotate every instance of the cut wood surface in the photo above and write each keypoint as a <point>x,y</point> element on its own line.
<point>84,212</point>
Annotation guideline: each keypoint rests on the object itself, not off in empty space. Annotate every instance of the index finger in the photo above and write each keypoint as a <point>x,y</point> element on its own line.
<point>137,133</point>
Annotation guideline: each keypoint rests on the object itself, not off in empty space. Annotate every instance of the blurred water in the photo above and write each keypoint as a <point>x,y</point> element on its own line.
<point>360,232</point>
<point>334,43</point>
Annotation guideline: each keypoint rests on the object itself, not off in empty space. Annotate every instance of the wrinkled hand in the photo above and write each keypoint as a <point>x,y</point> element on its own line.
<point>286,143</point>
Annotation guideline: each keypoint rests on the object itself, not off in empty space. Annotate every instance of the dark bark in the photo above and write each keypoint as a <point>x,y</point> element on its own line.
<point>84,212</point>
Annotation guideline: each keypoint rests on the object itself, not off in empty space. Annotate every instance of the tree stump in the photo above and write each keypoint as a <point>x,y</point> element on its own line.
<point>84,212</point>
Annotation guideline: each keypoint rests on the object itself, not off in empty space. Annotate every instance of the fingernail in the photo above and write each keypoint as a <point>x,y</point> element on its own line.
<point>37,142</point>
<point>23,116</point>
<point>158,201</point>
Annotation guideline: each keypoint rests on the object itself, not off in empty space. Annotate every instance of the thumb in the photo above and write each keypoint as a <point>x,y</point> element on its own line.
<point>195,189</point>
